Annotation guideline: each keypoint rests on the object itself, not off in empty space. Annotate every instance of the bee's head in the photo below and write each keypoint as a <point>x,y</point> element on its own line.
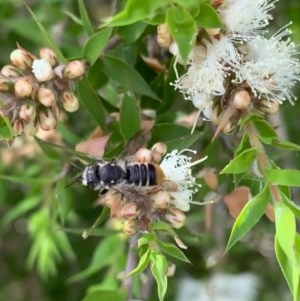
<point>91,176</point>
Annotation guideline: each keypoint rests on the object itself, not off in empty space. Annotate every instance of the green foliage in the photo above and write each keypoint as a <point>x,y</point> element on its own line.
<point>34,189</point>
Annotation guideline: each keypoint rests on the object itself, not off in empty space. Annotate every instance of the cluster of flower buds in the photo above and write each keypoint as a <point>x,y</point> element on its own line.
<point>236,69</point>
<point>34,89</point>
<point>165,202</point>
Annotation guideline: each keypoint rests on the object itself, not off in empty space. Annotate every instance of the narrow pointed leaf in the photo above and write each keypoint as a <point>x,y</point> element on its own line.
<point>286,231</point>
<point>50,151</point>
<point>240,163</point>
<point>46,35</point>
<point>208,17</point>
<point>172,250</point>
<point>130,117</point>
<point>6,131</point>
<point>159,266</point>
<point>142,265</point>
<point>183,29</point>
<point>136,10</point>
<point>96,44</point>
<point>286,177</point>
<point>284,264</point>
<point>249,216</point>
<point>86,22</point>
<point>92,102</point>
<point>120,72</point>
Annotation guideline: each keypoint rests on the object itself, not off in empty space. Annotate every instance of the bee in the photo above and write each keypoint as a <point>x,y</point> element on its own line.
<point>123,175</point>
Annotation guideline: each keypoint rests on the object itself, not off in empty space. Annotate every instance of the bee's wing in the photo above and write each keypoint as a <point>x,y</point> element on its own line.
<point>140,139</point>
<point>134,194</point>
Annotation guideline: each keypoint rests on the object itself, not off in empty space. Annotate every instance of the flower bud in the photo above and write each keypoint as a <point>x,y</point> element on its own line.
<point>74,69</point>
<point>161,200</point>
<point>30,128</point>
<point>158,150</point>
<point>241,100</point>
<point>49,55</point>
<point>24,88</point>
<point>10,71</point>
<point>27,112</point>
<point>47,120</point>
<point>46,96</point>
<point>268,106</point>
<point>129,227</point>
<point>129,211</point>
<point>143,155</point>
<point>69,101</point>
<point>5,84</point>
<point>17,127</point>
<point>164,38</point>
<point>175,217</point>
<point>42,70</point>
<point>21,59</point>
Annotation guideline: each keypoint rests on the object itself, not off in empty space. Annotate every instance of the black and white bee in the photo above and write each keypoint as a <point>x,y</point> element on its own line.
<point>123,175</point>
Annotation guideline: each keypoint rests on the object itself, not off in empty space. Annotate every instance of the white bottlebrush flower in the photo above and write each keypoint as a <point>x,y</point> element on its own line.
<point>209,65</point>
<point>270,67</point>
<point>42,70</point>
<point>245,18</point>
<point>177,169</point>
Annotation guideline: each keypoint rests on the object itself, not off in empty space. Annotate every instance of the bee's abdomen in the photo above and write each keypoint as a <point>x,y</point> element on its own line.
<point>141,174</point>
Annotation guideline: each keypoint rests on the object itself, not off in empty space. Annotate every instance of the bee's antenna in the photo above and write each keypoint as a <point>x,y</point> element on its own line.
<point>76,180</point>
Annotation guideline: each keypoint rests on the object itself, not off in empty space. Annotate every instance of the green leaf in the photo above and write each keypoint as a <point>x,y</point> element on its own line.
<point>286,145</point>
<point>159,266</point>
<point>26,180</point>
<point>264,130</point>
<point>146,239</point>
<point>63,197</point>
<point>285,266</point>
<point>49,150</point>
<point>86,22</point>
<point>172,250</point>
<point>95,45</point>
<point>136,10</point>
<point>101,218</point>
<point>142,265</point>
<point>189,3</point>
<point>287,177</point>
<point>208,17</point>
<point>249,216</point>
<point>6,131</point>
<point>102,257</point>
<point>92,102</point>
<point>243,145</point>
<point>286,230</point>
<point>130,117</point>
<point>132,32</point>
<point>183,30</point>
<point>106,295</point>
<point>162,226</point>
<point>295,208</point>
<point>46,35</point>
<point>123,74</point>
<point>169,132</point>
<point>183,142</point>
<point>240,163</point>
<point>22,208</point>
